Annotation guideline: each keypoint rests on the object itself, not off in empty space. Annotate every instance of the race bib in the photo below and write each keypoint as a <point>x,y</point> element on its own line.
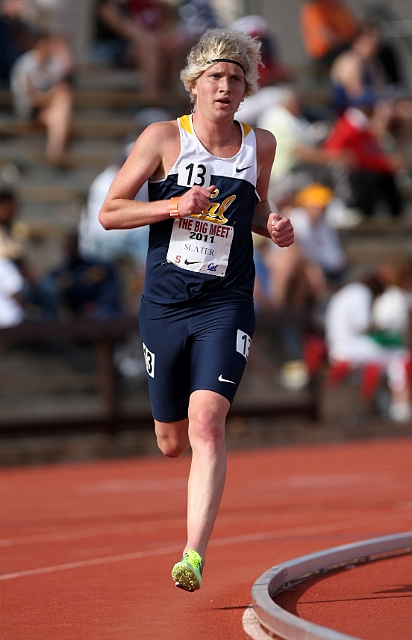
<point>194,174</point>
<point>200,246</point>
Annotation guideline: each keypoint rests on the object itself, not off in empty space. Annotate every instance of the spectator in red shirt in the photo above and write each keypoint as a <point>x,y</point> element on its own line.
<point>372,170</point>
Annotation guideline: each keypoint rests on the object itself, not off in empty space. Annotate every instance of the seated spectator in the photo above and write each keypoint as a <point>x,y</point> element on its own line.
<point>299,158</point>
<point>15,36</point>
<point>371,65</point>
<point>194,18</point>
<point>327,27</point>
<point>11,285</point>
<point>348,323</point>
<point>10,247</point>
<point>391,310</point>
<point>79,287</point>
<point>42,91</point>
<point>15,251</point>
<point>314,236</point>
<point>288,282</point>
<point>286,279</point>
<point>99,244</point>
<point>263,293</point>
<point>302,277</point>
<point>358,69</point>
<point>299,279</point>
<point>372,170</point>
<point>135,33</point>
<point>114,35</point>
<point>391,120</point>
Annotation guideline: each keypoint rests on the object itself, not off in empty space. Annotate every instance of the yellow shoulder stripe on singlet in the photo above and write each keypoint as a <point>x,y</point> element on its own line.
<point>186,123</point>
<point>246,129</point>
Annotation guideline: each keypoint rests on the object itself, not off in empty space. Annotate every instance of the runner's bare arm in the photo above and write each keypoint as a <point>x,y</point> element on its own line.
<point>265,222</point>
<point>152,156</point>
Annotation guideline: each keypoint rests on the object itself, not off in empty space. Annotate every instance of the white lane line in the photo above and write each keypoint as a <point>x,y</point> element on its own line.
<point>251,625</point>
<point>62,536</point>
<point>90,563</point>
<point>219,542</point>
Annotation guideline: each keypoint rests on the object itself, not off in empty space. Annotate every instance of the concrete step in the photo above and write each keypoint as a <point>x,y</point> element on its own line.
<point>51,194</point>
<point>107,128</point>
<point>30,152</point>
<point>368,253</point>
<point>115,99</point>
<point>378,239</point>
<point>89,75</point>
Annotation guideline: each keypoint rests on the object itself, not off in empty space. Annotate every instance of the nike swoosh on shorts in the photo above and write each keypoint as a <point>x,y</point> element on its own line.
<point>221,379</point>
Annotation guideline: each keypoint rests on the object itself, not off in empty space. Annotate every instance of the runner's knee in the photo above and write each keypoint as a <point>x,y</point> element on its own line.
<point>172,439</point>
<point>206,426</point>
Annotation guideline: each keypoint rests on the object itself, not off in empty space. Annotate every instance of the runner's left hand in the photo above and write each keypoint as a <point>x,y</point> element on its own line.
<point>280,230</point>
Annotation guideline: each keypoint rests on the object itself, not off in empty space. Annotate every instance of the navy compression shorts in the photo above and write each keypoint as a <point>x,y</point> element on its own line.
<point>196,345</point>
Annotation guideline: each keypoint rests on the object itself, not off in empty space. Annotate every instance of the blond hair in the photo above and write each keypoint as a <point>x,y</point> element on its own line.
<point>228,44</point>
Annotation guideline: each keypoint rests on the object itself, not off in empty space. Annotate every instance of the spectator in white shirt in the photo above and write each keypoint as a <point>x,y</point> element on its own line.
<point>348,322</point>
<point>11,284</point>
<point>392,310</point>
<point>42,92</point>
<point>98,243</point>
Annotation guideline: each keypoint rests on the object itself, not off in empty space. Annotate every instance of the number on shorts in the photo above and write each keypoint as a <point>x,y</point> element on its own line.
<point>150,360</point>
<point>243,342</point>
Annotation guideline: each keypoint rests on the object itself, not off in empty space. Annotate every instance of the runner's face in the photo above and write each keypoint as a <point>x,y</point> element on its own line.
<point>220,89</point>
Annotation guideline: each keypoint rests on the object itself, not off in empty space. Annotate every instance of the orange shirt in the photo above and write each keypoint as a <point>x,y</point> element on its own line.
<point>324,26</point>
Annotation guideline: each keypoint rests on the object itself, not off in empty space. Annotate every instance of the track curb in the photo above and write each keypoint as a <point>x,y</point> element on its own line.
<point>277,621</point>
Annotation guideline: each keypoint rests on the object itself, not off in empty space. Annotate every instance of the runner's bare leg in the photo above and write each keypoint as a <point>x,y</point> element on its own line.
<point>205,431</point>
<point>207,417</point>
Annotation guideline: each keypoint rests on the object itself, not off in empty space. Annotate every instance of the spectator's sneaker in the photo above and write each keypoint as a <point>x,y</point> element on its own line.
<point>187,574</point>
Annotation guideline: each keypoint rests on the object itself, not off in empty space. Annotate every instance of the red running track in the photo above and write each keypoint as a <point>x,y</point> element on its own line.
<point>87,549</point>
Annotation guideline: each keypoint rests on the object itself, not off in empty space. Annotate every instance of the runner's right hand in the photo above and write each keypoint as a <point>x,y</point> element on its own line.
<point>195,200</point>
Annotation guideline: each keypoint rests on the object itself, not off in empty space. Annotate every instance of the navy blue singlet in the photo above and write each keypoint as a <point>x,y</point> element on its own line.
<point>192,257</point>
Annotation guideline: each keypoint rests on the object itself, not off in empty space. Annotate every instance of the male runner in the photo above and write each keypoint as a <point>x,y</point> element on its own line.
<point>208,181</point>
